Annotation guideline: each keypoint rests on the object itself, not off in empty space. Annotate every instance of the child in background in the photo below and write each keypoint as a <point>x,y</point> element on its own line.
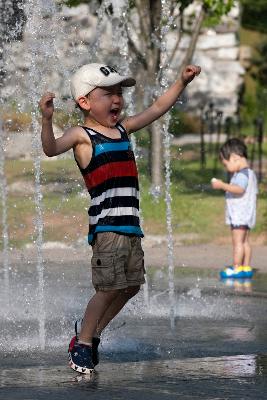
<point>104,155</point>
<point>241,196</point>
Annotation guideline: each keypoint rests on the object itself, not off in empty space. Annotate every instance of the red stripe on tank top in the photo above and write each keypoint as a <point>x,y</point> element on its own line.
<point>109,171</point>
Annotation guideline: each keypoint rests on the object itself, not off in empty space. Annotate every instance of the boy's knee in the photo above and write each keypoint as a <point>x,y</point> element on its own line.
<point>110,294</point>
<point>131,291</point>
<point>128,293</point>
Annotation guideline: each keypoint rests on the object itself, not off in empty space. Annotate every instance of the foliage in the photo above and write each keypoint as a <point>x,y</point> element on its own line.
<point>254,104</point>
<point>261,64</point>
<point>254,15</point>
<point>248,109</point>
<point>74,3</point>
<point>183,122</point>
<point>218,6</point>
<point>215,9</point>
<point>254,95</point>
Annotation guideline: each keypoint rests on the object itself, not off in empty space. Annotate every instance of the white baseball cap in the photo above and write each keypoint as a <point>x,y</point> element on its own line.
<point>90,76</point>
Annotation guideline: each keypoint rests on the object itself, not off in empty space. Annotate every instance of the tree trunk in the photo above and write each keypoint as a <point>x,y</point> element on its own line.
<point>193,42</point>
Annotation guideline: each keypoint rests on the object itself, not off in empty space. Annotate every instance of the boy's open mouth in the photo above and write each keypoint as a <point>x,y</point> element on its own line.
<point>115,113</point>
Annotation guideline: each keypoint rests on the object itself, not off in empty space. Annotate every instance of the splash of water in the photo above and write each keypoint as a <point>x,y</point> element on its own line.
<point>167,158</point>
<point>43,59</point>
<point>101,27</point>
<point>10,28</point>
<point>5,236</point>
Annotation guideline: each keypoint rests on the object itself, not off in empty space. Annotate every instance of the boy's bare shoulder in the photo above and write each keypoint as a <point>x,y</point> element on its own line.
<point>74,130</point>
<point>125,124</point>
<point>78,133</point>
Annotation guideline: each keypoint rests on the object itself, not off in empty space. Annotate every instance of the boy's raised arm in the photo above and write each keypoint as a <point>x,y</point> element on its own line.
<point>51,145</point>
<point>163,103</point>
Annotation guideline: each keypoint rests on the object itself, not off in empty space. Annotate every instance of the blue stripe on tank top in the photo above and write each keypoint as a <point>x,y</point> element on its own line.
<point>136,230</point>
<point>105,147</point>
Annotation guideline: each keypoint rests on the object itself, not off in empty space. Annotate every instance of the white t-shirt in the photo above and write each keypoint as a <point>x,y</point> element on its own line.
<point>241,208</point>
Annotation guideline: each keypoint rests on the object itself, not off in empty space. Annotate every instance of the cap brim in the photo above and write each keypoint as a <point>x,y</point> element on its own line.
<point>112,80</point>
<point>128,82</point>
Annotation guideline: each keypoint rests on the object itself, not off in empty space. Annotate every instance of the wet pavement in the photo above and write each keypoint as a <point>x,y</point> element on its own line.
<point>214,346</point>
<point>232,377</point>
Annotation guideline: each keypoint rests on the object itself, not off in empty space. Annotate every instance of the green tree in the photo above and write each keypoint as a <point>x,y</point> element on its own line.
<point>259,74</point>
<point>261,64</point>
<point>254,15</point>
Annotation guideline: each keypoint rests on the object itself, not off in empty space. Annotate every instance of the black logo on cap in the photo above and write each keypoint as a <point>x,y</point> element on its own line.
<point>107,70</point>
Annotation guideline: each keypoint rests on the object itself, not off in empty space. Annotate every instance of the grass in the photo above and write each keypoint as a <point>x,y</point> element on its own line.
<point>197,211</point>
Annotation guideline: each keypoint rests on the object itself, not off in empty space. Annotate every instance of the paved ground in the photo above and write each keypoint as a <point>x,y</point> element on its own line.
<point>207,255</point>
<point>203,256</point>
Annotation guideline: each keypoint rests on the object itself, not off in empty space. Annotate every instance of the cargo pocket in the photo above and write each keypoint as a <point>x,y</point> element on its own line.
<point>103,269</point>
<point>136,269</point>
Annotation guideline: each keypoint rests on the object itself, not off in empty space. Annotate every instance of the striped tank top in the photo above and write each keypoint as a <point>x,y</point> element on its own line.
<point>112,182</point>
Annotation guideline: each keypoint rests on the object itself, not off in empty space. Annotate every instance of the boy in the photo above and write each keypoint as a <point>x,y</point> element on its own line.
<point>241,194</point>
<point>104,156</point>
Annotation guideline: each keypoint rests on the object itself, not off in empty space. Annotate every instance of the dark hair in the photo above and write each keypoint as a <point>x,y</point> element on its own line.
<point>233,146</point>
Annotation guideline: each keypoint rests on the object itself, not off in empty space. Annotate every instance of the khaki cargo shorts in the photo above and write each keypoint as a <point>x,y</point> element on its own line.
<point>117,261</point>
